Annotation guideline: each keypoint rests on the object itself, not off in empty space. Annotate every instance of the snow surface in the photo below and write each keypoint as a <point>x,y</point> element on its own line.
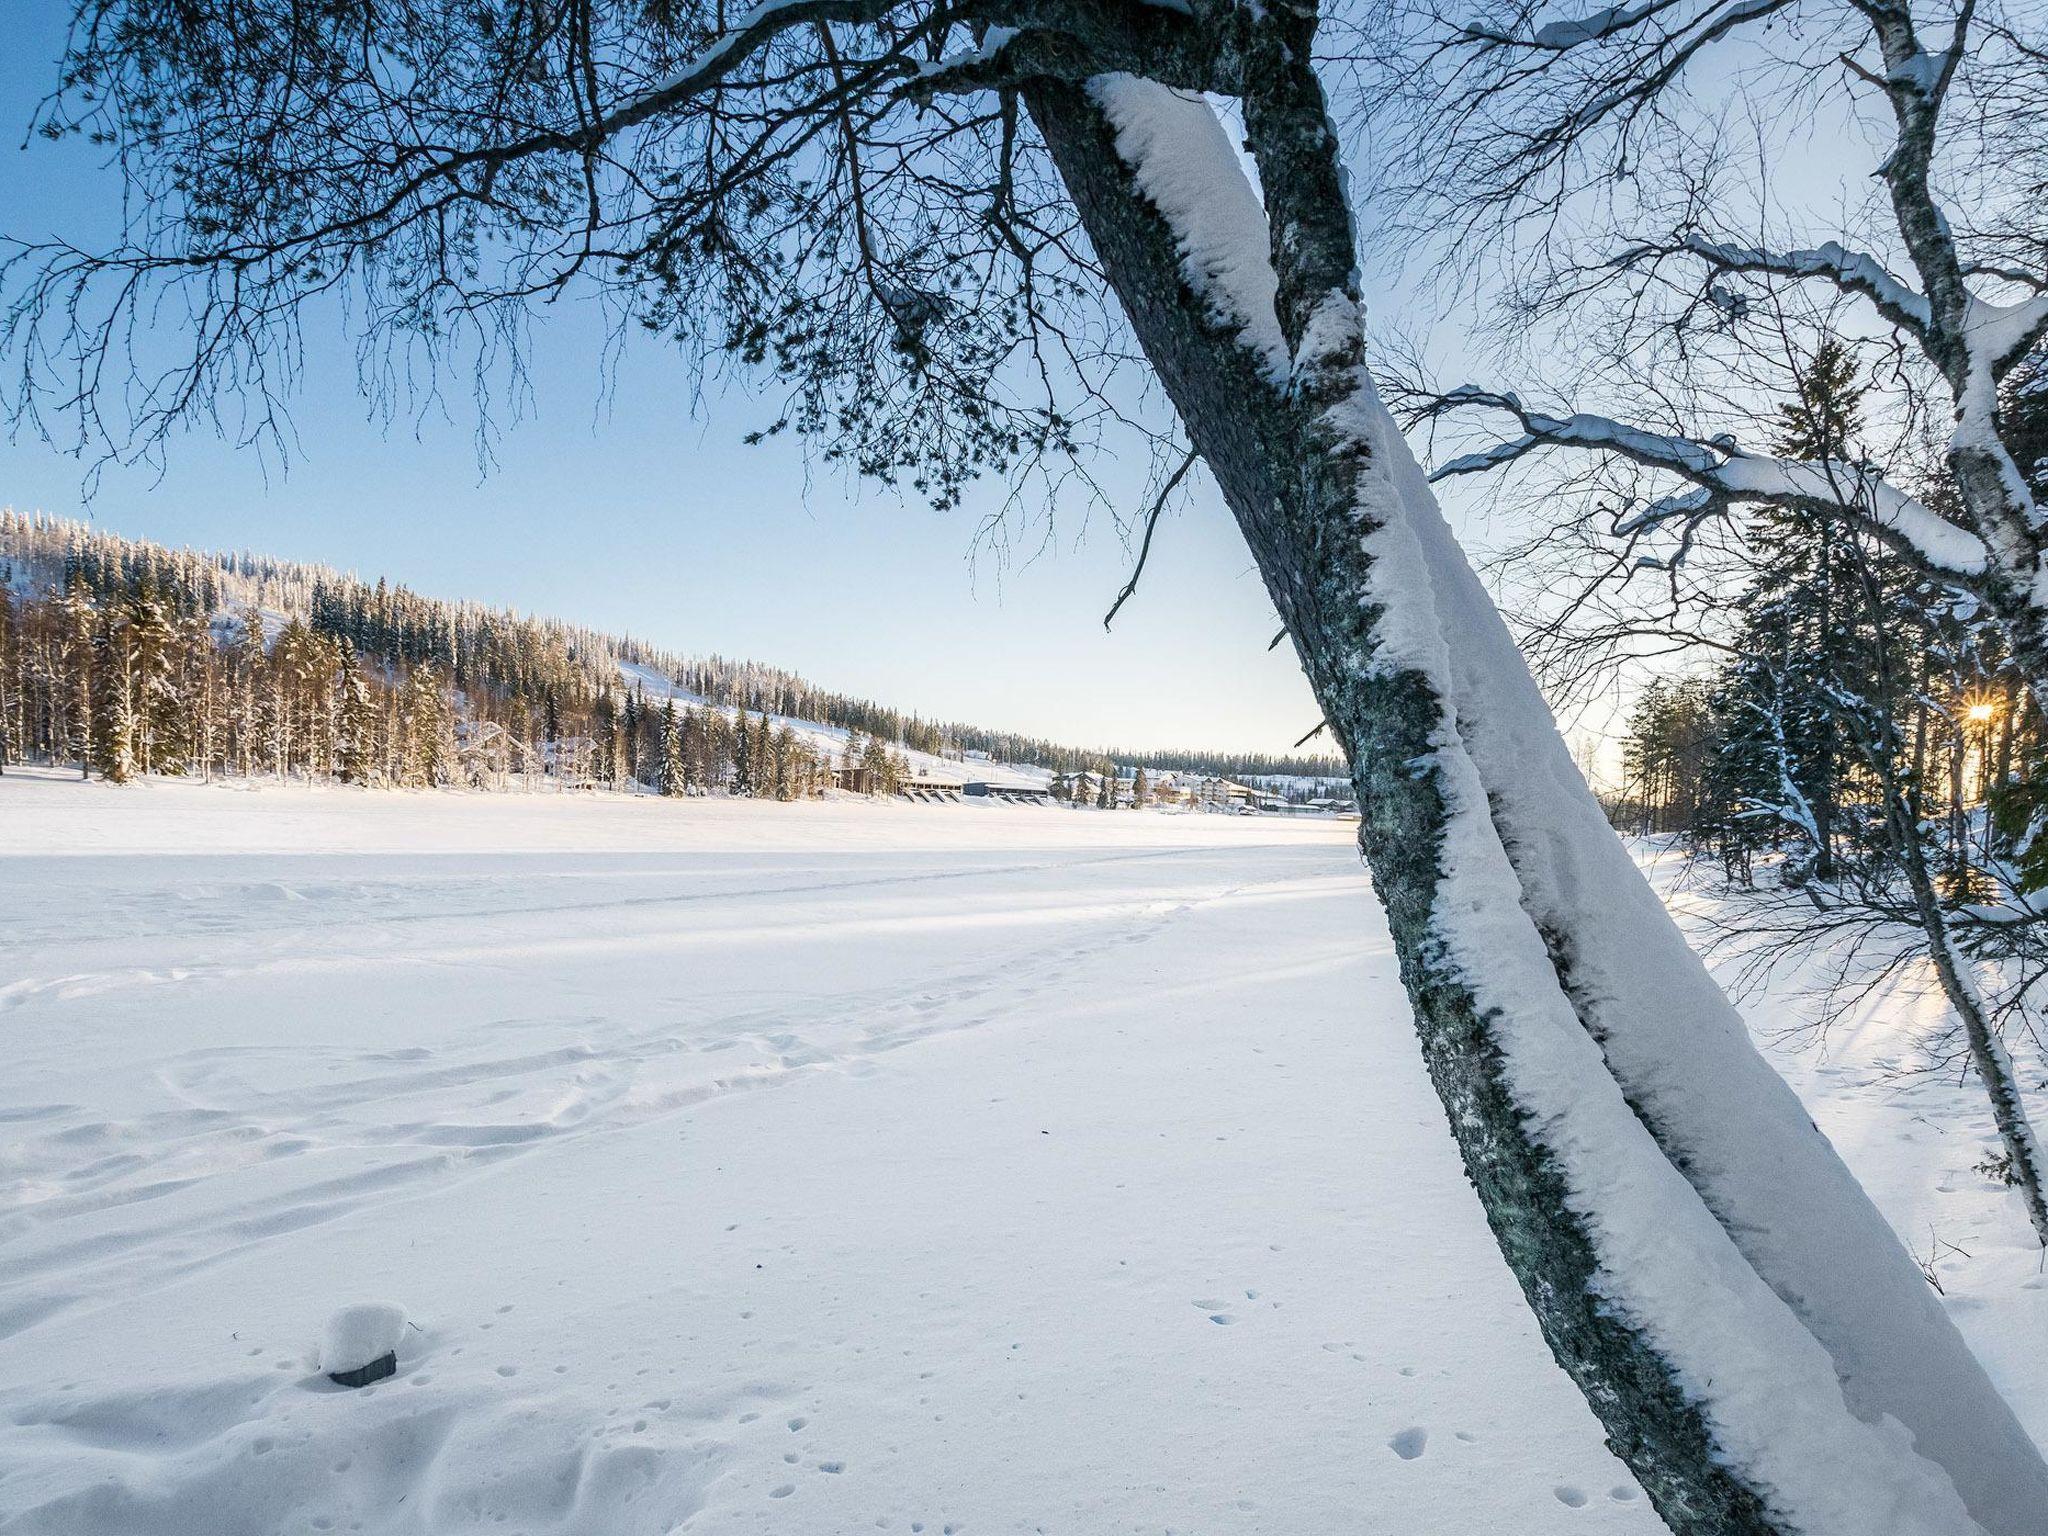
<point>1099,1187</point>
<point>743,1167</point>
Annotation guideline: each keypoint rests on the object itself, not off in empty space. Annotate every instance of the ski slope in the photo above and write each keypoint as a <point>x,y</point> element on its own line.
<point>798,1169</point>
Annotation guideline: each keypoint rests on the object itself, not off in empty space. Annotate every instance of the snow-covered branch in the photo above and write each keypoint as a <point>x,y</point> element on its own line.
<point>1727,475</point>
<point>1850,271</point>
<point>1556,36</point>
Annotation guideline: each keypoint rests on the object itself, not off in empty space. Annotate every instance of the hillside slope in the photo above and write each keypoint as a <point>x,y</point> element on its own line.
<point>498,655</point>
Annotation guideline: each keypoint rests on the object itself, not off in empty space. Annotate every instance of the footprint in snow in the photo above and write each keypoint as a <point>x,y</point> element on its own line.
<point>1570,1497</point>
<point>1410,1443</point>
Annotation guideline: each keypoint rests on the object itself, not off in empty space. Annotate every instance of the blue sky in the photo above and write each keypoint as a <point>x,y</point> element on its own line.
<point>640,513</point>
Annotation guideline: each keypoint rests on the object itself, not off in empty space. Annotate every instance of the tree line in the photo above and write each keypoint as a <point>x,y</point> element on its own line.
<point>137,681</point>
<point>244,663</point>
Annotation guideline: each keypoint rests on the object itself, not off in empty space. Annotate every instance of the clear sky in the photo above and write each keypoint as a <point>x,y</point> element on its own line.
<point>645,515</point>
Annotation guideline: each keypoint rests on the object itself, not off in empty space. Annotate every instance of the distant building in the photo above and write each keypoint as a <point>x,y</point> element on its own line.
<point>1012,791</point>
<point>854,780</point>
<point>926,783</point>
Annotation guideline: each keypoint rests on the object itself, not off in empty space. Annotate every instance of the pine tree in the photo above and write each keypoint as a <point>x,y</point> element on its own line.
<point>762,771</point>
<point>881,772</point>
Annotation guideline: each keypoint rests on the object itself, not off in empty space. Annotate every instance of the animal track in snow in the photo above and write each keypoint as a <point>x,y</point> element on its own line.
<point>1409,1443</point>
<point>1570,1497</point>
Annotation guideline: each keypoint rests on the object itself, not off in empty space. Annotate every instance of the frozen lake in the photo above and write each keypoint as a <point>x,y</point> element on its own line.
<point>740,1167</point>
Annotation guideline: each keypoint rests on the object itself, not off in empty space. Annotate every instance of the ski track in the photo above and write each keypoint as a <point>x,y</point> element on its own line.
<point>587,1088</point>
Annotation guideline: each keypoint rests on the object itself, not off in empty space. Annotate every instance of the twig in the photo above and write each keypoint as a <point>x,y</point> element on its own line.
<point>1151,522</point>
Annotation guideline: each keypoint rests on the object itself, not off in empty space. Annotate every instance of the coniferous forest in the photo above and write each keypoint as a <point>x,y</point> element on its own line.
<point>123,657</point>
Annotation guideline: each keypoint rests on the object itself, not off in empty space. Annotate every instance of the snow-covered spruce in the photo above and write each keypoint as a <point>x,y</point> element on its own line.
<point>1678,1225</point>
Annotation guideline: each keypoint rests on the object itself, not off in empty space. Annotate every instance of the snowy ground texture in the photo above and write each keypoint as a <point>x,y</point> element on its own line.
<point>803,1169</point>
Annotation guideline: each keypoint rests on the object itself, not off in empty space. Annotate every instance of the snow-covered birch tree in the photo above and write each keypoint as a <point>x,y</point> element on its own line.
<point>944,226</point>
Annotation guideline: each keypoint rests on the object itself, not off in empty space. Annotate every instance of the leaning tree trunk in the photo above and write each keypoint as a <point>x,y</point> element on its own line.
<point>1733,1309</point>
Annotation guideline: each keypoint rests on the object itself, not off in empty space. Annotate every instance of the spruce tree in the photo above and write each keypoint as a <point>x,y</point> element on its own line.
<point>357,755</point>
<point>672,773</point>
<point>116,734</point>
<point>81,655</point>
<point>742,754</point>
<point>761,768</point>
<point>1799,646</point>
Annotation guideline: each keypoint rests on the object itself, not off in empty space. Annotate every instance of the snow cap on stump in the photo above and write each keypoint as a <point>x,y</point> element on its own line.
<point>362,1343</point>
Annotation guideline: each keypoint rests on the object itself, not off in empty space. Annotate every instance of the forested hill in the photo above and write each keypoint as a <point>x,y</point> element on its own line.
<point>82,601</point>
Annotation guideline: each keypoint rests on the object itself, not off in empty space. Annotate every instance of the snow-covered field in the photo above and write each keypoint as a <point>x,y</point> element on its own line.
<point>801,1169</point>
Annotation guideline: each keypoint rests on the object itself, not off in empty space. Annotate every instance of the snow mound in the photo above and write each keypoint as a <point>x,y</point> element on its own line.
<point>360,1334</point>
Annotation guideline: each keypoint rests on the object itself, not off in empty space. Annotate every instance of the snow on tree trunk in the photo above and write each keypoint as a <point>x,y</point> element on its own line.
<point>1761,1350</point>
